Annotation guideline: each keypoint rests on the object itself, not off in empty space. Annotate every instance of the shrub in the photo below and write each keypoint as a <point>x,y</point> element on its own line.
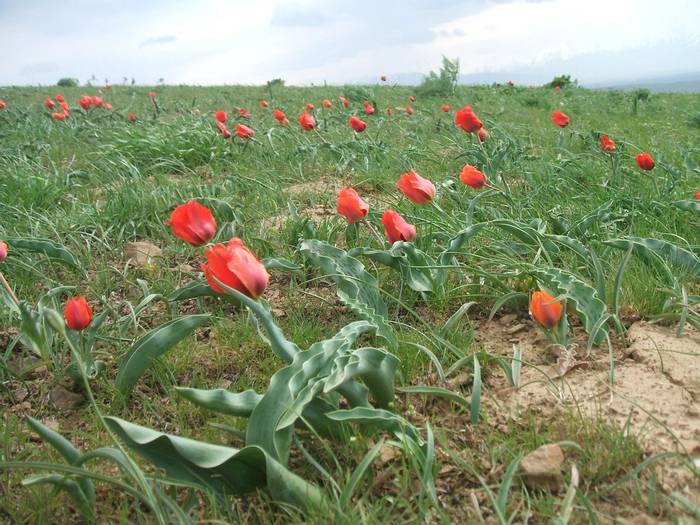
<point>442,83</point>
<point>562,81</point>
<point>67,82</point>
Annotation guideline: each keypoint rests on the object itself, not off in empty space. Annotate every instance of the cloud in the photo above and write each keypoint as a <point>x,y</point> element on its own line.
<point>158,40</point>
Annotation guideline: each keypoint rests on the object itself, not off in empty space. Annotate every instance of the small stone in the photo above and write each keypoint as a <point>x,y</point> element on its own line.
<point>141,253</point>
<point>64,399</point>
<point>52,424</point>
<point>507,319</point>
<point>515,329</point>
<point>541,468</point>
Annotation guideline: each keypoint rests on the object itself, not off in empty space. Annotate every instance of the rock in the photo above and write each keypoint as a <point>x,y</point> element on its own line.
<point>507,319</point>
<point>541,469</point>
<point>515,329</point>
<point>64,399</point>
<point>141,253</point>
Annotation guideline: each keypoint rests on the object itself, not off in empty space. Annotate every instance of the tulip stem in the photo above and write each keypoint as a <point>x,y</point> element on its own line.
<point>379,238</point>
<point>6,286</point>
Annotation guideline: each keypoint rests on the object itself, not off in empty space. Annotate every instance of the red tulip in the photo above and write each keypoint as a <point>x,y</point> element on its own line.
<point>545,309</point>
<point>327,103</point>
<point>108,106</point>
<point>472,177</point>
<point>223,130</point>
<point>645,161</point>
<point>131,117</point>
<point>3,251</point>
<point>307,121</point>
<point>357,124</point>
<point>445,108</point>
<point>396,228</point>
<point>60,98</point>
<point>310,107</point>
<point>96,101</point>
<point>193,223</point>
<point>152,94</point>
<point>697,194</point>
<point>85,102</point>
<point>483,134</point>
<point>409,110</point>
<point>264,103</point>
<point>411,99</point>
<point>351,206</point>
<point>344,101</point>
<point>77,313</point>
<point>280,117</point>
<point>557,88</point>
<point>244,132</point>
<point>243,113</point>
<point>560,119</point>
<point>369,108</point>
<point>389,111</point>
<point>417,189</point>
<point>59,116</point>
<point>467,120</point>
<point>607,144</point>
<point>383,78</point>
<point>237,267</point>
<point>49,103</point>
<point>64,106</point>
<point>221,116</point>
<point>510,83</point>
<point>2,104</point>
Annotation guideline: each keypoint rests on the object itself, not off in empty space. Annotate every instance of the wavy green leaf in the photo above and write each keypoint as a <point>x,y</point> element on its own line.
<point>416,267</point>
<point>684,260</point>
<point>51,249</point>
<point>222,401</point>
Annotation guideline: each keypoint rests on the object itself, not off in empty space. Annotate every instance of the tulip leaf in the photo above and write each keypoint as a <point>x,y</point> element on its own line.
<point>581,295</point>
<point>646,249</point>
<point>150,346</point>
<point>688,205</point>
<point>49,248</point>
<point>455,244</point>
<point>226,470</point>
<point>191,291</point>
<point>437,392</point>
<point>378,418</point>
<point>71,487</point>
<point>356,287</point>
<point>222,401</point>
<point>277,263</point>
<point>416,267</point>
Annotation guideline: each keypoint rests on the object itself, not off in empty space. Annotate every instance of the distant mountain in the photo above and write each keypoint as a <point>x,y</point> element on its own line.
<point>683,83</point>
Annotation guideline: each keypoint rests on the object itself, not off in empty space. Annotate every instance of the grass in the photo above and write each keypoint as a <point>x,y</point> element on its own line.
<point>96,182</point>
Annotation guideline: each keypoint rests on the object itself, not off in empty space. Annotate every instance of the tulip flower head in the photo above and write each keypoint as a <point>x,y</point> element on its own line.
<point>369,108</point>
<point>3,251</point>
<point>607,144</point>
<point>351,206</point>
<point>59,116</point>
<point>327,103</point>
<point>472,177</point>
<point>409,110</point>
<point>357,124</point>
<point>244,132</point>
<point>560,119</point>
<point>417,189</point>
<point>307,121</point>
<point>243,113</point>
<point>2,104</point>
<point>411,99</point>
<point>396,228</point>
<point>445,108</point>
<point>60,98</point>
<point>97,101</point>
<point>77,313</point>
<point>49,103</point>
<point>344,101</point>
<point>645,161</point>
<point>223,130</point>
<point>310,107</point>
<point>383,78</point>
<point>237,267</point>
<point>264,103</point>
<point>85,102</point>
<point>483,134</point>
<point>193,223</point>
<point>221,116</point>
<point>697,194</point>
<point>280,117</point>
<point>131,117</point>
<point>467,120</point>
<point>545,309</point>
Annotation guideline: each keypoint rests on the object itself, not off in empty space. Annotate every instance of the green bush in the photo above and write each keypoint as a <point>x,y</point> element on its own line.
<point>562,81</point>
<point>442,83</point>
<point>67,82</point>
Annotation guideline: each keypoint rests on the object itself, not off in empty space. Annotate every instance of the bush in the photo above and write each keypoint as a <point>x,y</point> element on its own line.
<point>67,82</point>
<point>639,95</point>
<point>443,83</point>
<point>562,81</point>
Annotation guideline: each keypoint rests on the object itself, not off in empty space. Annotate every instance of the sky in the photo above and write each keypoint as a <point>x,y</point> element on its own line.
<point>345,41</point>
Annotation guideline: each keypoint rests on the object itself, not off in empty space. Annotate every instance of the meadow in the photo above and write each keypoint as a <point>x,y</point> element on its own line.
<point>363,382</point>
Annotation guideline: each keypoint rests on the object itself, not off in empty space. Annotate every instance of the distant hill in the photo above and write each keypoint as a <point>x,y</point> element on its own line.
<point>685,83</point>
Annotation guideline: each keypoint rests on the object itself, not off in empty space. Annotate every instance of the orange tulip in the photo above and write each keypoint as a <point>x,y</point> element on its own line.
<point>351,206</point>
<point>244,132</point>
<point>472,177</point>
<point>193,223</point>
<point>237,267</point>
<point>645,161</point>
<point>417,189</point>
<point>77,313</point>
<point>467,120</point>
<point>560,119</point>
<point>545,309</point>
<point>396,228</point>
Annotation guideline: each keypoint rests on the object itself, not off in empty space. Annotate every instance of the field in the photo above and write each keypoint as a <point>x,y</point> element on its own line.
<point>464,383</point>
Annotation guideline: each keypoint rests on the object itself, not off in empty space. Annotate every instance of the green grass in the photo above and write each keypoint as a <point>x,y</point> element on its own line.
<point>95,182</point>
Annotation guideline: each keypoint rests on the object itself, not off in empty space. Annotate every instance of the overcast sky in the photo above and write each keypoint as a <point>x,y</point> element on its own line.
<point>339,41</point>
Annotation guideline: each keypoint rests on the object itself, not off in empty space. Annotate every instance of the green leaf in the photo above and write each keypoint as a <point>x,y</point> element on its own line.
<point>191,291</point>
<point>582,296</point>
<point>51,249</point>
<point>437,392</point>
<point>356,288</point>
<point>476,392</point>
<point>455,244</point>
<point>222,401</point>
<point>683,259</point>
<point>357,474</point>
<point>688,205</point>
<point>455,318</point>
<point>379,418</point>
<point>276,263</point>
<point>152,345</point>
<point>416,267</point>
<point>71,487</point>
<point>223,469</point>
